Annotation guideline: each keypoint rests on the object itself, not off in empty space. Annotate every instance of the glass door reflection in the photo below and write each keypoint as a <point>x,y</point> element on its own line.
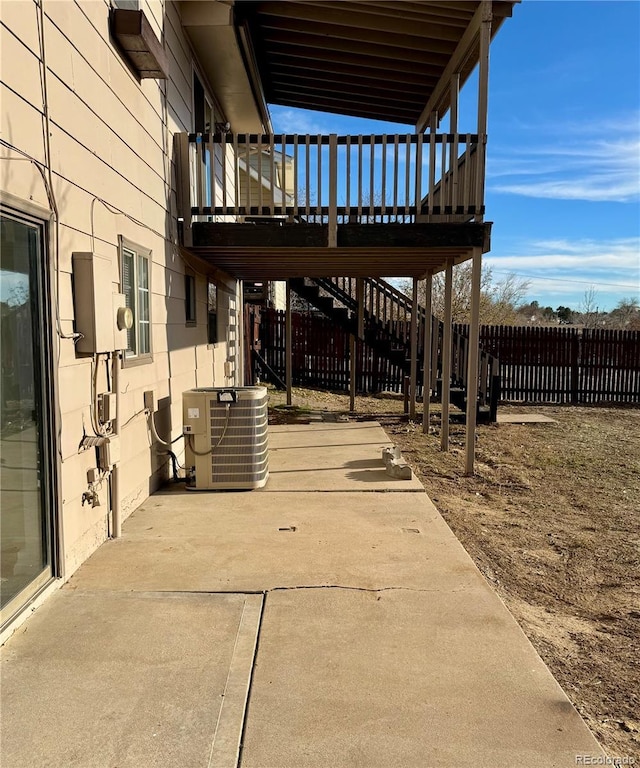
<point>25,553</point>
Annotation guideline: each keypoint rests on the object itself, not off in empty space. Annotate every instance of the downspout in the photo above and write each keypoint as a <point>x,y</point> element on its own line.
<point>116,518</point>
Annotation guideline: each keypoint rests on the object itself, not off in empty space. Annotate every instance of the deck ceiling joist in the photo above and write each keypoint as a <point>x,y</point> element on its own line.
<point>376,58</point>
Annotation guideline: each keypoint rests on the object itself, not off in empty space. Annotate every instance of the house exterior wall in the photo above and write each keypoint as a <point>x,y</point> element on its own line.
<point>111,140</point>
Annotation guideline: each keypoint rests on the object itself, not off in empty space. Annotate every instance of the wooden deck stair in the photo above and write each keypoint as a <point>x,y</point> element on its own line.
<point>387,314</point>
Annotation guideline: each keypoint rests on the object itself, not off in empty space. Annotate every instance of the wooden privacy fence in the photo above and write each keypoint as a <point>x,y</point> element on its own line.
<point>565,365</point>
<point>320,355</point>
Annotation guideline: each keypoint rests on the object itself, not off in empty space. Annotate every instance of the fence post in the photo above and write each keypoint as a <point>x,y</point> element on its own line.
<point>575,366</point>
<point>287,345</point>
<point>446,358</point>
<point>427,344</point>
<point>472,366</point>
<point>413,343</point>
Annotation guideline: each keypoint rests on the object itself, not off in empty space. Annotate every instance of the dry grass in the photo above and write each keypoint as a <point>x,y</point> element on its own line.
<point>552,519</point>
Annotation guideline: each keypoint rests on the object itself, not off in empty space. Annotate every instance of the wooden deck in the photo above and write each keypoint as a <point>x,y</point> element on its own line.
<point>280,206</point>
<point>276,251</point>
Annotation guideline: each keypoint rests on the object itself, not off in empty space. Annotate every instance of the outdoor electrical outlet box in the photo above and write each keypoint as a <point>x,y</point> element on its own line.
<point>150,400</point>
<point>93,303</point>
<point>109,453</point>
<point>107,407</point>
<point>93,475</point>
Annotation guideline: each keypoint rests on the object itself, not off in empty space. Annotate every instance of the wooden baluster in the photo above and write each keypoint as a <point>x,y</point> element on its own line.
<point>272,175</point>
<point>211,148</point>
<point>419,146</point>
<point>247,161</point>
<point>260,151</point>
<point>319,147</point>
<point>444,175</point>
<point>360,172</point>
<point>407,173</point>
<point>333,190</point>
<point>295,175</point>
<point>283,180</point>
<point>223,147</point>
<point>383,202</point>
<point>396,158</point>
<point>432,167</point>
<point>348,179</point>
<point>236,174</point>
<point>372,201</point>
<point>200,197</point>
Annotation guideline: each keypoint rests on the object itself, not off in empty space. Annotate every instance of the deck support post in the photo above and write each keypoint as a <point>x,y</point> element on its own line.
<point>287,346</point>
<point>353,343</point>
<point>352,372</point>
<point>483,100</point>
<point>426,365</point>
<point>472,370</point>
<point>446,357</point>
<point>413,340</point>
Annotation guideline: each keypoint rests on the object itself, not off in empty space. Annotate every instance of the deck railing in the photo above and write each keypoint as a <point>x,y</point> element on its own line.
<point>334,179</point>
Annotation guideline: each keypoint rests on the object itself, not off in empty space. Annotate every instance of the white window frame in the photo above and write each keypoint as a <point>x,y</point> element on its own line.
<point>138,298</point>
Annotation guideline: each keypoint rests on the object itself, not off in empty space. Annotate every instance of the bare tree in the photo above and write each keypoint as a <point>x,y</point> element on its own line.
<point>499,301</point>
<point>626,315</point>
<point>589,308</point>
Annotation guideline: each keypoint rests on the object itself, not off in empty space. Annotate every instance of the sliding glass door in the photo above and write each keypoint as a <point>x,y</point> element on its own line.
<point>26,493</point>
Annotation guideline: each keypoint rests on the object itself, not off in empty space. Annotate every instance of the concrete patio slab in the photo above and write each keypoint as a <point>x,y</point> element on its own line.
<point>331,457</point>
<point>396,678</point>
<point>381,644</point>
<point>128,679</point>
<point>233,542</point>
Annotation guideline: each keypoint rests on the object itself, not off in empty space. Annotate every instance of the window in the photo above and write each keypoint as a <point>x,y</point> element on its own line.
<point>136,285</point>
<point>190,299</point>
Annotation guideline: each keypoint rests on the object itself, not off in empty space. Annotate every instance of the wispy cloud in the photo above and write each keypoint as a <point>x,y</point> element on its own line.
<point>288,120</point>
<point>571,162</point>
<point>569,267</point>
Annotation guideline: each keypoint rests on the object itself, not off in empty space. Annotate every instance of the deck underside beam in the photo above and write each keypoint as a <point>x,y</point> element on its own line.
<point>266,252</point>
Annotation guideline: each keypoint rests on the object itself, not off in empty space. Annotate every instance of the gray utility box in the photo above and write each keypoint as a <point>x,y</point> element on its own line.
<point>225,433</point>
<point>96,305</point>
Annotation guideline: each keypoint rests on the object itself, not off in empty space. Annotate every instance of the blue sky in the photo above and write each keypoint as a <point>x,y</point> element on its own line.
<point>563,166</point>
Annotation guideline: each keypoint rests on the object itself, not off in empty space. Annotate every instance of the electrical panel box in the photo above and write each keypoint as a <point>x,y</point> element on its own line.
<point>93,303</point>
<point>98,311</point>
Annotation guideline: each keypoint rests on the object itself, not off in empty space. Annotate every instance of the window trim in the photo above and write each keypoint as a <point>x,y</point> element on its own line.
<point>130,359</point>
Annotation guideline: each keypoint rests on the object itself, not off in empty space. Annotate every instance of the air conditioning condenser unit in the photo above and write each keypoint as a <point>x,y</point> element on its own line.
<point>225,432</point>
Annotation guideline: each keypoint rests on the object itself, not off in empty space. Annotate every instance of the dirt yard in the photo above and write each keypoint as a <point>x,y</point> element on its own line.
<point>552,519</point>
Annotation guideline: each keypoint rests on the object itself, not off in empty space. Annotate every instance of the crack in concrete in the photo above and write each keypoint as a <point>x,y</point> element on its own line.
<point>364,589</point>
